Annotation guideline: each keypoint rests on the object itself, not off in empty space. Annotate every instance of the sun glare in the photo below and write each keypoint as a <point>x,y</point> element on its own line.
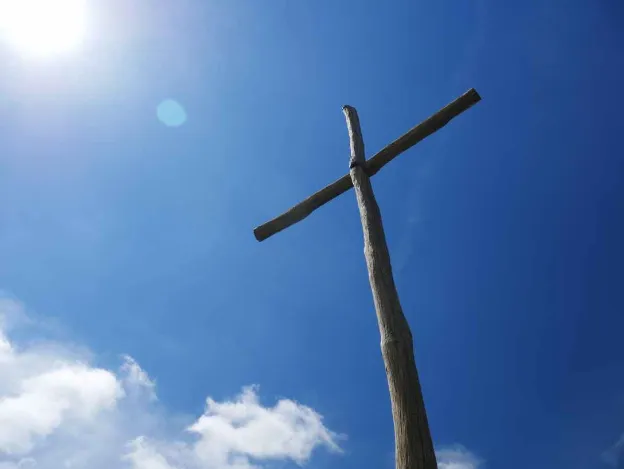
<point>43,27</point>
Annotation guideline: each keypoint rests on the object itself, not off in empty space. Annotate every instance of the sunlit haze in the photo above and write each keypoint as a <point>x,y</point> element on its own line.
<point>43,28</point>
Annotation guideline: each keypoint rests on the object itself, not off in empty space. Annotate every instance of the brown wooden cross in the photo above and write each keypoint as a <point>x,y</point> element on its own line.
<point>413,444</point>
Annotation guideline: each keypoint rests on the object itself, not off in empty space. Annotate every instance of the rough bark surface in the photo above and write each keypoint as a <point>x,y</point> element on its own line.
<point>413,443</point>
<point>371,167</point>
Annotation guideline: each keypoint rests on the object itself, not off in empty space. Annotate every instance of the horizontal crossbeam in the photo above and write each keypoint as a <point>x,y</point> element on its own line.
<point>373,165</point>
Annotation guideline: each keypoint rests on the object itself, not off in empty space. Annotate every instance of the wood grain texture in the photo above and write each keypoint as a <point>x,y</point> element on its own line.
<point>413,444</point>
<point>371,167</point>
<point>303,209</point>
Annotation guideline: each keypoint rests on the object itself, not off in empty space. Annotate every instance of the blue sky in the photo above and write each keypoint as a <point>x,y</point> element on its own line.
<point>120,235</point>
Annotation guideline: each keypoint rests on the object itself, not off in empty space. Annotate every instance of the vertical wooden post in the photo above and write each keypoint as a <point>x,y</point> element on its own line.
<point>413,443</point>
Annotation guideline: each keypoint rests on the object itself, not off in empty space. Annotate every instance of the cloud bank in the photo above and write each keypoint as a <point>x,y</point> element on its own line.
<point>58,410</point>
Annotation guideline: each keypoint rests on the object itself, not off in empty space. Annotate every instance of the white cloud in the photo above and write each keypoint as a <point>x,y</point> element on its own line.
<point>457,457</point>
<point>248,430</point>
<point>137,379</point>
<point>238,434</point>
<point>58,410</point>
<point>143,455</point>
<point>43,402</point>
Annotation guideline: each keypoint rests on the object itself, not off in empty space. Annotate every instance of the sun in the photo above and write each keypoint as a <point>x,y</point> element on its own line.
<point>43,27</point>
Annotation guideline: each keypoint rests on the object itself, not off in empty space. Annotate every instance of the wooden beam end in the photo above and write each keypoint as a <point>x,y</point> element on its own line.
<point>476,97</point>
<point>259,234</point>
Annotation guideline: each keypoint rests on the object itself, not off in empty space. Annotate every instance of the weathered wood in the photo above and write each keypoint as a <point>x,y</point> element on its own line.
<point>371,167</point>
<point>303,209</point>
<point>422,131</point>
<point>413,444</point>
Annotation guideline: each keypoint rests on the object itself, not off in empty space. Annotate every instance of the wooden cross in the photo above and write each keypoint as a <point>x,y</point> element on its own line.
<point>413,444</point>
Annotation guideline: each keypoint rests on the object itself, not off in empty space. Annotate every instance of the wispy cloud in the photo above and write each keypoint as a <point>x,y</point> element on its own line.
<point>457,457</point>
<point>58,410</point>
<point>614,456</point>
